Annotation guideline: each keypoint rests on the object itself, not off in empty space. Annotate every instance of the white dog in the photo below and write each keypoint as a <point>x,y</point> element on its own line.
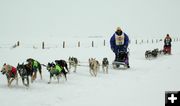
<point>11,73</point>
<point>73,62</point>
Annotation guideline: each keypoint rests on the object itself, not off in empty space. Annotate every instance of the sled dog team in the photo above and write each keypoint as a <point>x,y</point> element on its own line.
<point>119,45</point>
<point>56,69</point>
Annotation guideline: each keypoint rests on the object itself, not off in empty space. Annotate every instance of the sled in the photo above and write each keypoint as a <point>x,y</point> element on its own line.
<point>167,50</point>
<point>119,65</point>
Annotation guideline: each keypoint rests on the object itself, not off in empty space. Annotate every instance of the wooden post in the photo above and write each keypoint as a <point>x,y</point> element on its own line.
<point>63,44</point>
<point>104,43</point>
<point>136,41</point>
<point>18,43</point>
<point>92,43</point>
<point>79,44</point>
<point>43,45</point>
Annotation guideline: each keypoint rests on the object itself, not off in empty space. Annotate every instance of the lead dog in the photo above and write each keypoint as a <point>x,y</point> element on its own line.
<point>93,66</point>
<point>105,65</point>
<point>11,74</point>
<point>24,72</point>
<point>73,62</point>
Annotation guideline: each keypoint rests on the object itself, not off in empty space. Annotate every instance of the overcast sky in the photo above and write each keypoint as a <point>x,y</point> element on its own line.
<point>37,18</point>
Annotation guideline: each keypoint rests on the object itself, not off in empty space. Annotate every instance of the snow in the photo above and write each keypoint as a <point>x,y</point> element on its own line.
<point>36,21</point>
<point>143,84</point>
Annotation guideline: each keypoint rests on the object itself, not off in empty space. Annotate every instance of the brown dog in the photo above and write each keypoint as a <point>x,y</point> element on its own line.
<point>93,66</point>
<point>11,73</point>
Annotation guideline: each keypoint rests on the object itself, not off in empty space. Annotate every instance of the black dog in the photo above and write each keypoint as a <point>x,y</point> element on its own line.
<point>154,53</point>
<point>34,69</point>
<point>51,68</point>
<point>148,54</point>
<point>105,65</point>
<point>63,64</point>
<point>24,71</point>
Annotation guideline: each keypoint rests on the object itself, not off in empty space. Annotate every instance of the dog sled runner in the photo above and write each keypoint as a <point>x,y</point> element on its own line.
<point>119,65</point>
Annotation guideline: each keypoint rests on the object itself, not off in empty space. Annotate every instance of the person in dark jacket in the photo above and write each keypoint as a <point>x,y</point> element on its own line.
<point>119,43</point>
<point>167,44</point>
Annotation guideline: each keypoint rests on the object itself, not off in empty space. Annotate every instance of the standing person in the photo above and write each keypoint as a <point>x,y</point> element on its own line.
<point>119,43</point>
<point>167,44</point>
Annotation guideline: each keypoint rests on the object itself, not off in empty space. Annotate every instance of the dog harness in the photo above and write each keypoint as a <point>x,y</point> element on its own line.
<point>35,64</point>
<point>58,68</point>
<point>11,70</point>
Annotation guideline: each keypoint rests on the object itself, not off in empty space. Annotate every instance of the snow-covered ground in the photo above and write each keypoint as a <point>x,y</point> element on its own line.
<point>53,21</point>
<point>144,84</point>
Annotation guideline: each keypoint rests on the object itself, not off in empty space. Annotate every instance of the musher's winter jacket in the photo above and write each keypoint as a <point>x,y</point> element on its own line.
<point>119,42</point>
